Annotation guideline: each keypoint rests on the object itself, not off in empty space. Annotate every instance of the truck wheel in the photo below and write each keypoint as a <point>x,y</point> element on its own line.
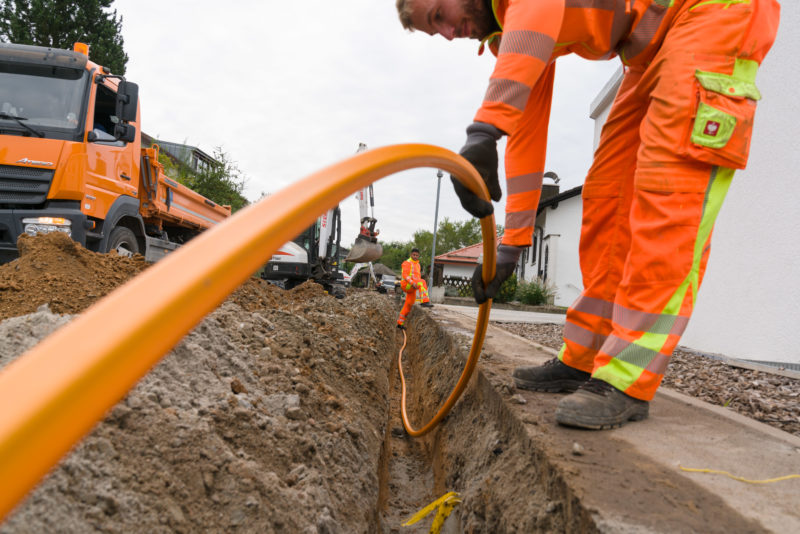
<point>123,240</point>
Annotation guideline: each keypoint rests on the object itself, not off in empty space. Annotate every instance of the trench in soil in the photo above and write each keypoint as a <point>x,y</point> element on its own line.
<point>480,450</point>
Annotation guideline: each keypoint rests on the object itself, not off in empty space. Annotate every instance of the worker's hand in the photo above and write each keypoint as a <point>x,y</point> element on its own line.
<point>481,151</point>
<point>476,206</point>
<point>507,257</point>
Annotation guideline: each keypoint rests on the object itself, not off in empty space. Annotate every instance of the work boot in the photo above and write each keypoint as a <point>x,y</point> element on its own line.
<point>401,327</point>
<point>427,304</point>
<point>553,376</point>
<point>598,405</point>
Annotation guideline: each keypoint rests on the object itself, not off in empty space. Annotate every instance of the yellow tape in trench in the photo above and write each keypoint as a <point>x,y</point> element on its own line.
<point>445,505</point>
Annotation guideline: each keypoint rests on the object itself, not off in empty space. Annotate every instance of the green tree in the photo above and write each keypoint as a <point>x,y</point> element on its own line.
<point>395,253</point>
<point>60,23</point>
<point>223,183</point>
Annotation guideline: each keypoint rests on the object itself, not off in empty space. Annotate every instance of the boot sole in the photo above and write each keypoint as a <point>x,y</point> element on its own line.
<point>580,420</point>
<point>553,386</point>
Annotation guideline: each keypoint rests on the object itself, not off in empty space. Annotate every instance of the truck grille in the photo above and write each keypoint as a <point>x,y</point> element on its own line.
<point>24,185</point>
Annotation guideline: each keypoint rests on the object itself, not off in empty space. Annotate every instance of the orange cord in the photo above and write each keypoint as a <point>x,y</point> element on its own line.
<point>488,273</point>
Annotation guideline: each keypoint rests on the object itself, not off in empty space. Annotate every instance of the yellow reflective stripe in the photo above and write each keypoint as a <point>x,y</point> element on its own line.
<point>618,373</point>
<point>745,70</point>
<point>645,353</point>
<point>728,3</point>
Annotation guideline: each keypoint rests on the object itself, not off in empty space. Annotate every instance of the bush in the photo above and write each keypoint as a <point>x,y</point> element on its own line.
<point>508,290</point>
<point>534,293</point>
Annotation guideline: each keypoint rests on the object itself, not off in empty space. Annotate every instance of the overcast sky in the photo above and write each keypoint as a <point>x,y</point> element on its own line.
<point>287,88</point>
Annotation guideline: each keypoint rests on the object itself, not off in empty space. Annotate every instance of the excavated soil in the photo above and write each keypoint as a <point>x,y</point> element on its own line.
<point>280,413</point>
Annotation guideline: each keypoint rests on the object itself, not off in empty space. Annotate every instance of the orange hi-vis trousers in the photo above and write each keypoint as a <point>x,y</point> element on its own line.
<point>411,295</point>
<point>676,131</point>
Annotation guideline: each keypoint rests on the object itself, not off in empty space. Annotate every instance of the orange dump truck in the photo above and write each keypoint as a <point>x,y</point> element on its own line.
<point>71,160</point>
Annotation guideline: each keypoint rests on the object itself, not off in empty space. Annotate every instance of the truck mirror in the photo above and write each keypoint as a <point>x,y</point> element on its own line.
<point>125,132</point>
<point>127,100</point>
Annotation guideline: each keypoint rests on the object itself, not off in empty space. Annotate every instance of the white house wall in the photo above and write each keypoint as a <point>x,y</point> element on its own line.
<point>565,222</point>
<point>458,270</point>
<point>749,304</point>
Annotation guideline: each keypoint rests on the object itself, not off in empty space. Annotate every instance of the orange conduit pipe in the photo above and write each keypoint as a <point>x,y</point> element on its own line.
<point>53,394</point>
<point>489,260</point>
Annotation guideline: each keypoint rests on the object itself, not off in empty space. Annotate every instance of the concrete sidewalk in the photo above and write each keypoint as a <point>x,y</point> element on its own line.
<point>631,478</point>
<point>511,316</point>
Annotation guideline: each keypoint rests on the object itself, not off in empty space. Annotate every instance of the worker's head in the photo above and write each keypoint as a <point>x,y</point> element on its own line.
<point>452,19</point>
<point>415,254</point>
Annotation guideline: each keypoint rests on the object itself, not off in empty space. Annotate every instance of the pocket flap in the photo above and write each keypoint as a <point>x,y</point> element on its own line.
<point>727,85</point>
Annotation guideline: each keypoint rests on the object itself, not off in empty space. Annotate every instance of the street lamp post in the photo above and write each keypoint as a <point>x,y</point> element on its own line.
<point>439,175</point>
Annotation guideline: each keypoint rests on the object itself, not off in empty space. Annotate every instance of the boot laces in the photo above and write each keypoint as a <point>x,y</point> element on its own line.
<point>598,387</point>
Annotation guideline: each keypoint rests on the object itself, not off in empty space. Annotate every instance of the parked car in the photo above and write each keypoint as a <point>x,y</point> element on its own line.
<point>387,283</point>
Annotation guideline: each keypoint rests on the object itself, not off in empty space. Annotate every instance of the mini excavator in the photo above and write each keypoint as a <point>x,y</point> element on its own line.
<point>315,253</point>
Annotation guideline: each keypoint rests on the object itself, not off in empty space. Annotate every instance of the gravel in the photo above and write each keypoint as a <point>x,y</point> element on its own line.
<point>770,398</point>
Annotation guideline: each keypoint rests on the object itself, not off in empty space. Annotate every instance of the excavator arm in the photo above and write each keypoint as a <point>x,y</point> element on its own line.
<point>366,248</point>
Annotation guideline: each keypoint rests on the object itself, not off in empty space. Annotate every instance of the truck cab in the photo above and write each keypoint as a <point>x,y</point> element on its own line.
<point>70,148</point>
<point>71,159</point>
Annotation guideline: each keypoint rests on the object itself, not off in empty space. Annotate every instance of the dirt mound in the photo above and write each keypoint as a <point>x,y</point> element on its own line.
<point>53,269</point>
<point>266,418</point>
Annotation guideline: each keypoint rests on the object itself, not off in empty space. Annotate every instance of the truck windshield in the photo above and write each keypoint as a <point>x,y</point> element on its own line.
<point>44,97</point>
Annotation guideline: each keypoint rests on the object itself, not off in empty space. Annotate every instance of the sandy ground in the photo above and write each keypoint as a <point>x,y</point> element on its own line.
<point>268,417</point>
<point>280,413</point>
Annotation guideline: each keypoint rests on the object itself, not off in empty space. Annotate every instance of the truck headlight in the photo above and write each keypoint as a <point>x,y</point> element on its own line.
<point>45,225</point>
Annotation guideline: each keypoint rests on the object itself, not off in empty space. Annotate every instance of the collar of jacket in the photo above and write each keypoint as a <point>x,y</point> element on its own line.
<point>493,39</point>
<point>412,260</point>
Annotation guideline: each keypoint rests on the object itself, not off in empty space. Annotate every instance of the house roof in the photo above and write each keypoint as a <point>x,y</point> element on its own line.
<point>377,268</point>
<point>463,256</point>
<point>469,255</point>
<point>553,201</point>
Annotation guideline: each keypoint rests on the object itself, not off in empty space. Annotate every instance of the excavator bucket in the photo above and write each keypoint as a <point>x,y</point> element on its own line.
<point>364,250</point>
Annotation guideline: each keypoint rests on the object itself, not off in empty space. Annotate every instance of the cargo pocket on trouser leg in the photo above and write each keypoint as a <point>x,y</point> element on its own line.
<point>723,121</point>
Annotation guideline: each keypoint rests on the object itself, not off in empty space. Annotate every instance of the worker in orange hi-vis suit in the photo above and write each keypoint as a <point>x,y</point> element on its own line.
<point>412,283</point>
<point>679,126</point>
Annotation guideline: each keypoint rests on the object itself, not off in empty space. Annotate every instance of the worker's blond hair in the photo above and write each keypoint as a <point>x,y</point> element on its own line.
<point>404,9</point>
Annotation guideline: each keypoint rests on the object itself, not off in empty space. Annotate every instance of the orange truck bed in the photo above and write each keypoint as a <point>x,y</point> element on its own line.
<point>164,199</point>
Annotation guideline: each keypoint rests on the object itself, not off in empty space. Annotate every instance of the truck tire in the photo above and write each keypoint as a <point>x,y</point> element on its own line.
<point>123,240</point>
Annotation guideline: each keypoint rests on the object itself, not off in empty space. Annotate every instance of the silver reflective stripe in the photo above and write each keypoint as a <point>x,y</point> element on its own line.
<point>644,32</point>
<point>621,23</point>
<point>583,337</point>
<point>654,323</point>
<point>601,308</point>
<point>524,183</point>
<point>527,43</point>
<point>522,219</point>
<point>510,92</point>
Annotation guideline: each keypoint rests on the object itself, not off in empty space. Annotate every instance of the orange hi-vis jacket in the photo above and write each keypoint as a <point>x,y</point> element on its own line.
<point>534,34</point>
<point>411,275</point>
<point>412,284</point>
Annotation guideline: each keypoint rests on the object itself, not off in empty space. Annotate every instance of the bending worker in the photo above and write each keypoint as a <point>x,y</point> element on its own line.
<point>411,282</point>
<point>680,124</point>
